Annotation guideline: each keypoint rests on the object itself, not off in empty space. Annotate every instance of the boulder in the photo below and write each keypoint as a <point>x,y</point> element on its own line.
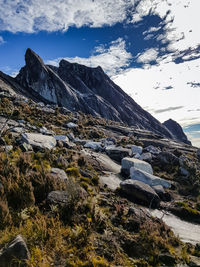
<point>127,163</point>
<point>136,149</point>
<point>58,174</point>
<point>140,191</point>
<point>39,141</point>
<point>153,150</point>
<point>117,153</point>
<point>146,157</point>
<point>168,158</point>
<point>93,145</point>
<point>61,198</point>
<point>15,251</point>
<point>148,178</point>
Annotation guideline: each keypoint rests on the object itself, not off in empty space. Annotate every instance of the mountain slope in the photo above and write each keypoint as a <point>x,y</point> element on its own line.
<point>80,88</point>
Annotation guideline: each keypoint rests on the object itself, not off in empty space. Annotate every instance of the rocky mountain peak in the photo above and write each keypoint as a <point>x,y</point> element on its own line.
<point>177,131</point>
<point>81,88</point>
<point>32,59</point>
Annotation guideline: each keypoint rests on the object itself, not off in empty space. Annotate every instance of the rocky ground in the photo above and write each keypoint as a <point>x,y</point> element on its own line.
<point>76,190</point>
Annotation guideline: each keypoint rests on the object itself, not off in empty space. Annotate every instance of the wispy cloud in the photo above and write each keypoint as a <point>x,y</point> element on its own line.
<point>2,41</point>
<point>112,58</point>
<point>167,109</point>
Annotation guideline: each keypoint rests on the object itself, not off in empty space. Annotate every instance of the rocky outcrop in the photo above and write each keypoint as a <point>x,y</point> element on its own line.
<point>39,141</point>
<point>176,130</point>
<point>16,251</point>
<point>89,90</point>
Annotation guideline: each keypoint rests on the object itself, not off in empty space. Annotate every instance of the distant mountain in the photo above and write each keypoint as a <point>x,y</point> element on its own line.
<point>81,88</point>
<point>177,131</point>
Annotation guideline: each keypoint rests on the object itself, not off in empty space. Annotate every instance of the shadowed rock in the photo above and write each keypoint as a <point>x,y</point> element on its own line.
<point>177,131</point>
<point>15,251</point>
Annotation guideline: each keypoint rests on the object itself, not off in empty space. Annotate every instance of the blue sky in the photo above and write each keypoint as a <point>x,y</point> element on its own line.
<point>150,48</point>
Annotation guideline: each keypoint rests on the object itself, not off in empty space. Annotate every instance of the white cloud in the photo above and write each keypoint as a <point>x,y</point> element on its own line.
<point>148,56</point>
<point>180,18</point>
<point>146,87</point>
<point>1,40</point>
<point>112,59</point>
<point>36,15</point>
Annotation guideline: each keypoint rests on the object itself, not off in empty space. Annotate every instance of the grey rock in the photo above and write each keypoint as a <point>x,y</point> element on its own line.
<point>147,178</point>
<point>152,149</point>
<point>97,146</point>
<point>16,250</point>
<point>136,149</point>
<point>140,191</point>
<point>71,136</point>
<point>146,157</point>
<point>39,141</point>
<point>127,163</point>
<point>184,172</point>
<point>71,125</point>
<point>117,153</point>
<point>61,198</point>
<point>168,158</point>
<point>58,174</point>
<point>44,130</point>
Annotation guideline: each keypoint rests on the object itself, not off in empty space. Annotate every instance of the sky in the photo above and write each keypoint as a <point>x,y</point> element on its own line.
<point>150,48</point>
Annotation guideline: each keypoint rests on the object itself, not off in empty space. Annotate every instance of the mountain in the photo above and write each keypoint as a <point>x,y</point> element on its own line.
<point>176,130</point>
<point>81,88</point>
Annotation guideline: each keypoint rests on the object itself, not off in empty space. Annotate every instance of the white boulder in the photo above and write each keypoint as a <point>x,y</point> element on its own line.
<point>39,141</point>
<point>148,178</point>
<point>127,163</point>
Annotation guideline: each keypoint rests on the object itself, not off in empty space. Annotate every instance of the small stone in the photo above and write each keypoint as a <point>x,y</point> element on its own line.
<point>71,125</point>
<point>184,172</point>
<point>71,136</point>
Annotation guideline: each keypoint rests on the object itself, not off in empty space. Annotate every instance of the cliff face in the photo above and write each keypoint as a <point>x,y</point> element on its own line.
<point>177,131</point>
<point>80,88</point>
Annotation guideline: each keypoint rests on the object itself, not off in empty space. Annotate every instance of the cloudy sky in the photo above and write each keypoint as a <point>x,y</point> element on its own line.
<point>151,48</point>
